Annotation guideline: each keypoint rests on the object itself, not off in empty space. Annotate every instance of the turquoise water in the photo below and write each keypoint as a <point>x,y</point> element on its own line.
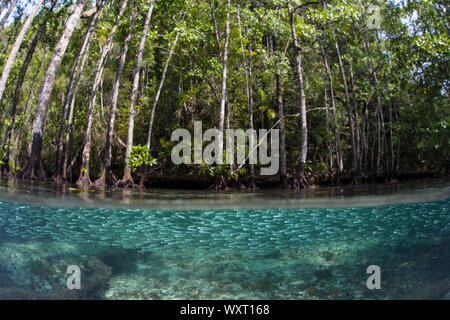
<point>306,250</point>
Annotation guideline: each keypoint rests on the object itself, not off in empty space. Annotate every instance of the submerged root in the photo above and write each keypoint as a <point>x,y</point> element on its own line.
<point>356,178</point>
<point>105,181</point>
<point>33,171</point>
<point>284,185</point>
<point>393,180</point>
<point>301,183</point>
<point>128,184</point>
<point>236,185</point>
<point>101,181</point>
<point>220,184</point>
<point>252,185</point>
<point>223,185</point>
<point>6,173</point>
<point>127,181</point>
<point>58,179</point>
<point>84,180</point>
<point>142,182</point>
<point>432,291</point>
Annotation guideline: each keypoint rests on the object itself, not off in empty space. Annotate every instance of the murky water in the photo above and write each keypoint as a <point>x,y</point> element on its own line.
<point>197,245</point>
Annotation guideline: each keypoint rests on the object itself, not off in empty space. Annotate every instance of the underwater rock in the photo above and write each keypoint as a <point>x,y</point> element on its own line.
<point>327,255</point>
<point>94,279</point>
<point>41,268</point>
<point>5,281</point>
<point>276,254</point>
<point>447,296</point>
<point>36,270</point>
<point>263,285</point>
<point>18,263</point>
<point>444,252</point>
<point>120,260</point>
<point>312,292</point>
<point>98,276</point>
<point>434,291</point>
<point>323,274</point>
<point>16,293</point>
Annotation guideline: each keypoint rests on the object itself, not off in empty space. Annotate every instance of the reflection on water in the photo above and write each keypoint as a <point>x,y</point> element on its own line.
<point>63,196</point>
<point>305,249</point>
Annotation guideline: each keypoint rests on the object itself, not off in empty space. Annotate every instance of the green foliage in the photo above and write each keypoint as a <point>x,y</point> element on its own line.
<point>409,54</point>
<point>215,171</point>
<point>140,156</point>
<point>2,156</point>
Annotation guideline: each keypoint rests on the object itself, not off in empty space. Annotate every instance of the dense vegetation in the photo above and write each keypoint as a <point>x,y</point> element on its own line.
<point>90,91</point>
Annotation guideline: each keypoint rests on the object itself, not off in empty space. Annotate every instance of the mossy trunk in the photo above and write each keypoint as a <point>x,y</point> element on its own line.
<point>34,169</point>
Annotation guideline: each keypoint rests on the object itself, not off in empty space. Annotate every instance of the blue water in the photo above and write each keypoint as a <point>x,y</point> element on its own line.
<point>226,231</point>
<point>302,253</point>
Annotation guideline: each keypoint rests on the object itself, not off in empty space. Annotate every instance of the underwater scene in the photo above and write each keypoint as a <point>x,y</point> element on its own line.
<point>286,247</point>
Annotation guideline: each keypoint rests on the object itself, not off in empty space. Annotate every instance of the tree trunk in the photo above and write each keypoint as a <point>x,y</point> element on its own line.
<point>249,90</point>
<point>34,168</point>
<point>67,140</point>
<point>216,29</point>
<point>108,178</point>
<point>283,154</point>
<point>16,47</point>
<point>248,69</point>
<point>329,142</point>
<point>337,134</point>
<point>349,113</point>
<point>379,110</point>
<point>13,108</point>
<point>70,91</point>
<point>161,83</point>
<point>249,86</point>
<point>127,178</point>
<point>84,178</point>
<point>8,13</point>
<point>223,96</point>
<point>391,139</point>
<point>357,126</point>
<point>28,111</point>
<point>3,6</point>
<point>301,181</point>
<point>223,102</point>
<point>158,93</point>
<point>357,133</point>
<point>365,142</point>
<point>12,111</point>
